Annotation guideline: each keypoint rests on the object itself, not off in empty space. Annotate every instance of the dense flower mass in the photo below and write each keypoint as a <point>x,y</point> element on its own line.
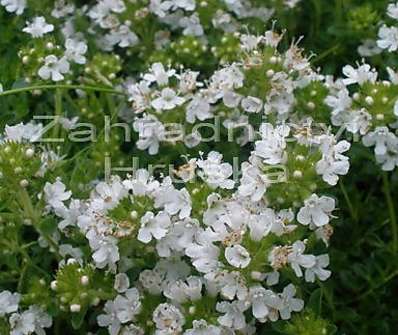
<point>174,166</point>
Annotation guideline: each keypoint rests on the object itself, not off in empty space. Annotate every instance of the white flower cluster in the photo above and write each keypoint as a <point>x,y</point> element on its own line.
<point>228,248</point>
<point>371,112</point>
<point>30,321</point>
<point>212,236</point>
<point>387,36</point>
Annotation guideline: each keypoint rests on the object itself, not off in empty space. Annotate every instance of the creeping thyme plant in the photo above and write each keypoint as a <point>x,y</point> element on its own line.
<point>182,167</point>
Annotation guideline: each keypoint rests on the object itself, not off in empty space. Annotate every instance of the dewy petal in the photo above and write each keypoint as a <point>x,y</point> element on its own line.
<point>319,217</point>
<point>296,305</point>
<point>44,72</point>
<point>144,235</point>
<point>327,204</point>
<point>285,313</point>
<point>304,216</point>
<point>307,261</point>
<point>56,76</point>
<point>260,310</point>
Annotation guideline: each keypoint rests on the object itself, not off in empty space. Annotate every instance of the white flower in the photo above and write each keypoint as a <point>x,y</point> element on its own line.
<point>358,121</point>
<point>69,215</point>
<point>188,81</point>
<point>187,5</point>
<point>168,318</point>
<point>333,162</point>
<point>386,147</point>
<point>253,183</point>
<point>318,270</point>
<point>392,75</point>
<point>390,159</point>
<point>264,303</point>
<point>289,303</point>
<point>153,226</point>
<point>271,148</point>
<point>132,329</point>
<point>38,27</point>
<point>392,10</point>
<point>54,68</point>
<point>260,225</point>
<point>381,137</point>
<point>237,256</point>
<point>31,321</point>
<point>122,36</point>
<point>252,104</point>
<point>8,302</point>
<point>127,305</point>
<point>317,211</point>
<point>75,51</point>
<point>22,324</point>
<point>120,311</point>
<point>340,102</point>
<point>62,9</point>
<point>17,6</point>
<point>108,194</point>
<point>396,108</point>
<point>180,236</point>
<point>67,123</point>
<point>227,79</point>
<point>201,327</point>
<point>152,281</point>
<point>142,184</point>
<point>214,172</point>
<point>233,314</point>
<point>204,253</point>
<point>191,25</point>
<point>182,291</point>
<point>106,252</point>
<point>364,73</point>
<point>68,250</point>
<point>122,282</point>
<point>56,194</point>
<point>168,100</point>
<point>230,284</point>
<point>41,319</point>
<point>198,108</point>
<point>174,201</point>
<point>151,132</point>
<point>231,99</point>
<point>369,48</point>
<point>297,259</point>
<point>30,132</point>
<point>388,38</point>
<point>270,221</point>
<point>158,74</point>
<point>249,42</point>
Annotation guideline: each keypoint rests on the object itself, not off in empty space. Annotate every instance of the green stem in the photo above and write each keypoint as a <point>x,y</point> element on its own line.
<point>31,214</point>
<point>59,86</point>
<point>325,53</point>
<point>58,110</point>
<point>22,276</point>
<point>349,203</point>
<point>391,210</point>
<point>373,289</point>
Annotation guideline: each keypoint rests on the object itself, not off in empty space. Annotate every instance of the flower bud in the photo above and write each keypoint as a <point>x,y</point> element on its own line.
<point>75,308</point>
<point>84,280</point>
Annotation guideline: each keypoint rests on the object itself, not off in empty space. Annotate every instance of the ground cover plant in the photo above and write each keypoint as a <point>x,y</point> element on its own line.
<point>198,167</point>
